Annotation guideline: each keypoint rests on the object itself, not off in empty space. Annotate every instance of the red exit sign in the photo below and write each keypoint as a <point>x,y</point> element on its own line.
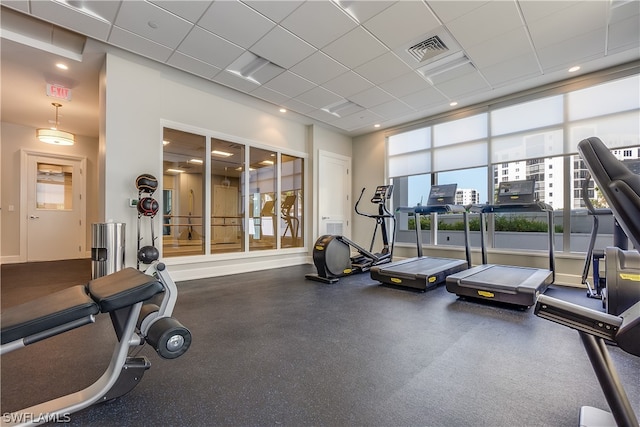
<point>60,92</point>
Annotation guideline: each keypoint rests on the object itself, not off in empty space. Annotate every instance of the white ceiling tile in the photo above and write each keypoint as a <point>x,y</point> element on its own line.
<point>499,49</point>
<point>140,45</point>
<point>289,84</point>
<point>447,10</point>
<point>232,80</point>
<point>189,10</point>
<point>271,47</point>
<point>571,52</point>
<point>269,95</point>
<point>358,120</point>
<point>322,115</point>
<point>467,31</point>
<point>68,17</point>
<point>209,48</point>
<point>274,10</point>
<point>362,11</point>
<point>152,22</point>
<point>392,109</point>
<point>300,107</point>
<point>318,97</point>
<point>383,68</point>
<point>587,16</point>
<point>452,74</point>
<point>355,48</point>
<point>21,5</point>
<point>624,34</point>
<point>192,65</point>
<point>309,22</point>
<point>348,84</point>
<point>371,97</point>
<point>236,22</point>
<point>535,10</point>
<point>424,98</point>
<point>412,19</point>
<point>511,70</point>
<point>405,84</point>
<point>467,85</point>
<point>319,68</point>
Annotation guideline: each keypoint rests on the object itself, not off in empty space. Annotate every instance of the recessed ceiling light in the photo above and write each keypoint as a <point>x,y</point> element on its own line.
<point>196,161</point>
<point>221,153</point>
<point>153,24</point>
<point>453,104</point>
<point>165,142</point>
<point>574,69</point>
<point>283,110</point>
<point>175,170</point>
<point>62,66</point>
<point>377,125</point>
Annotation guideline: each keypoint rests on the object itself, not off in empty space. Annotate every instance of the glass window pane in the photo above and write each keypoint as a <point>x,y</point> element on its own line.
<point>262,199</point>
<point>54,187</point>
<point>621,130</point>
<point>415,140</point>
<point>527,146</point>
<point>607,98</point>
<point>529,230</point>
<point>460,156</point>
<point>528,115</point>
<point>291,206</point>
<point>467,129</point>
<point>183,177</point>
<point>227,166</point>
<point>415,163</point>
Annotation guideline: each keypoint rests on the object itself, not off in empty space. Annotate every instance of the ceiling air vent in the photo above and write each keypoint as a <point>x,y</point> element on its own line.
<point>428,48</point>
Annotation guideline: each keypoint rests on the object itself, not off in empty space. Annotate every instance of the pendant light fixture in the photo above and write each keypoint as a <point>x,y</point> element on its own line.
<point>55,136</point>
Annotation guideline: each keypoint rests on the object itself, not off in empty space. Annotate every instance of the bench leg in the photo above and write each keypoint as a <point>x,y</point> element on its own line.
<point>61,408</point>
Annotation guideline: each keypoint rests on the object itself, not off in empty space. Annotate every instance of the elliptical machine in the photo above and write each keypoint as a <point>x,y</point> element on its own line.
<point>332,253</point>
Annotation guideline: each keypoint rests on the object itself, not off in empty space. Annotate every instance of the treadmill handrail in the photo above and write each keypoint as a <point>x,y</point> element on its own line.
<point>511,207</point>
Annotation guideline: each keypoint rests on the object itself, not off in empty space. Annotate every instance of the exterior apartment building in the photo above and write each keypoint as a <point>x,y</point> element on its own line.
<point>467,196</point>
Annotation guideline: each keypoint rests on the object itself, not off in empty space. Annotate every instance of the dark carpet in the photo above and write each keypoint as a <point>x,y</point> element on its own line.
<point>271,348</point>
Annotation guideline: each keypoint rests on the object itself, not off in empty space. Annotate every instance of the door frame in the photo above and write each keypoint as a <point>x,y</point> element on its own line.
<point>25,154</point>
<point>322,154</point>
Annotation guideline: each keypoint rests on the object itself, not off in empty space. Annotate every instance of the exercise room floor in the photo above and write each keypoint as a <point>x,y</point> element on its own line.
<point>271,348</point>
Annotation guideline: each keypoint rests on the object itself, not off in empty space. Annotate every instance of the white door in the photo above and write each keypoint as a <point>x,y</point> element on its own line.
<point>334,189</point>
<point>55,224</point>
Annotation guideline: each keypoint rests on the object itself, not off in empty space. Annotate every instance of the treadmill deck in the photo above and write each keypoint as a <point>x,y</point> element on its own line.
<point>421,273</point>
<point>510,284</point>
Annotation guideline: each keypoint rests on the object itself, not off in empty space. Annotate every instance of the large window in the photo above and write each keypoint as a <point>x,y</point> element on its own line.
<point>534,139</point>
<point>222,196</point>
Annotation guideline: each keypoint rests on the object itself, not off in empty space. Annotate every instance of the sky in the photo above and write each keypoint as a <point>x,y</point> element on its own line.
<point>419,186</point>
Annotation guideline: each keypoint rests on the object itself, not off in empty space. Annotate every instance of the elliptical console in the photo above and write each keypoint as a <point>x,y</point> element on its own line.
<point>332,253</point>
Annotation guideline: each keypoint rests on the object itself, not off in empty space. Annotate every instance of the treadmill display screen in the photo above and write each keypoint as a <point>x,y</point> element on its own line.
<point>442,194</point>
<point>516,192</point>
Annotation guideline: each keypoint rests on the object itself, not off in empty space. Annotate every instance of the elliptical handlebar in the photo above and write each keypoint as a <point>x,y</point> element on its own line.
<point>383,192</point>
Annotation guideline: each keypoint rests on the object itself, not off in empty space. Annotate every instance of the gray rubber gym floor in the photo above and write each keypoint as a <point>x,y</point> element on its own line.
<point>271,348</point>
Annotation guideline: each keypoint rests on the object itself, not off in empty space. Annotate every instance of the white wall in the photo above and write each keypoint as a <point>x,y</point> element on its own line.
<point>368,172</point>
<point>14,138</point>
<point>139,97</point>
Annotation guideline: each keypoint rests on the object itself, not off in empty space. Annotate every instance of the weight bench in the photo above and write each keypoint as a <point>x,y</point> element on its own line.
<point>139,304</point>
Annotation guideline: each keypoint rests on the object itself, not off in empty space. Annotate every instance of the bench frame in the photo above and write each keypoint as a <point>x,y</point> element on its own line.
<point>134,325</point>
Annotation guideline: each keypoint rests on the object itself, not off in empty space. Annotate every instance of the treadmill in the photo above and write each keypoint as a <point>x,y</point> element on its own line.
<point>423,272</point>
<point>504,283</point>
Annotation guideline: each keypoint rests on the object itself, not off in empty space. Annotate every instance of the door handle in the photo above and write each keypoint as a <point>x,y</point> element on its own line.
<point>34,217</point>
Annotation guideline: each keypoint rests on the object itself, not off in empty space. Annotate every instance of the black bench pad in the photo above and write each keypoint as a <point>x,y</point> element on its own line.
<point>123,288</point>
<point>45,313</point>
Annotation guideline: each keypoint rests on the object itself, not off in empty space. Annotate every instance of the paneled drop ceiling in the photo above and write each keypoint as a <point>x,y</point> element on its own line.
<point>347,64</point>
